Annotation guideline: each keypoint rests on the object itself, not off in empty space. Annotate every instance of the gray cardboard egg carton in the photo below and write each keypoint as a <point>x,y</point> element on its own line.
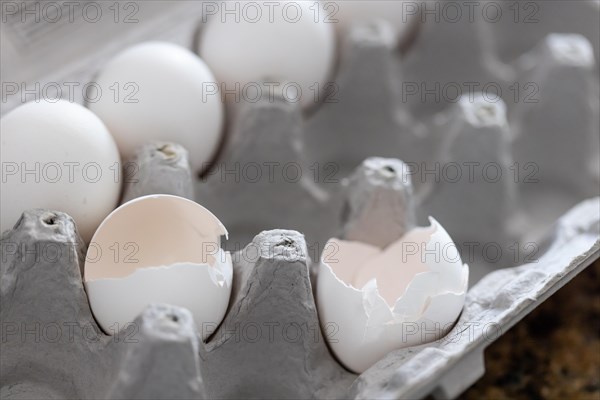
<point>53,348</point>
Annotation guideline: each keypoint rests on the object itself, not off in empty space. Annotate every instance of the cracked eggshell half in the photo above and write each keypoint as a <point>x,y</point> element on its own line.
<point>58,156</point>
<point>372,301</point>
<point>158,249</point>
<point>165,93</point>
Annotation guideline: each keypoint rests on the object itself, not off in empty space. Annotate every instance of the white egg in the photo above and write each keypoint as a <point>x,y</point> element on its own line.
<point>160,91</point>
<point>399,13</point>
<point>278,42</point>
<point>380,300</point>
<point>158,249</point>
<point>58,156</point>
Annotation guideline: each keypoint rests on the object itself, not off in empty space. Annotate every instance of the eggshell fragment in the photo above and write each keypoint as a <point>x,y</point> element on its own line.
<point>407,294</point>
<point>166,93</point>
<point>158,249</point>
<point>58,156</point>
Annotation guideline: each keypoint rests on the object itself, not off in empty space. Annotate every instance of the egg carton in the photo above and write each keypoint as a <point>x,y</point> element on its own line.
<point>53,348</point>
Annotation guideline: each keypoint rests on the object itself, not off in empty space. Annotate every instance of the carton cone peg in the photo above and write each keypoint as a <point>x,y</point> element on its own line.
<point>159,357</point>
<point>379,206</point>
<point>523,25</point>
<point>270,344</point>
<point>363,102</point>
<point>470,184</point>
<point>48,329</point>
<point>449,55</point>
<point>262,180</point>
<point>557,126</point>
<point>158,168</point>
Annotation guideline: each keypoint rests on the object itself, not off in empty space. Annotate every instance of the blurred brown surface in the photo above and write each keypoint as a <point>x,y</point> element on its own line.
<point>554,353</point>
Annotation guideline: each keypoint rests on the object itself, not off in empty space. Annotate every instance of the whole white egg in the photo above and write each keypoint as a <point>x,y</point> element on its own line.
<point>160,91</point>
<point>288,44</point>
<point>58,156</point>
<point>158,249</point>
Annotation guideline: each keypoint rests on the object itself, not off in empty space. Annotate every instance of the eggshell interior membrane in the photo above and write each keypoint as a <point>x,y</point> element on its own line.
<point>153,231</point>
<point>372,295</point>
<point>158,249</point>
<point>395,267</point>
<point>64,159</point>
<point>165,93</point>
<point>278,42</point>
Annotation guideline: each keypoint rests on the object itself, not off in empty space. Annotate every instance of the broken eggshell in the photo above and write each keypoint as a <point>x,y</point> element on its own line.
<point>372,301</point>
<point>158,249</point>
